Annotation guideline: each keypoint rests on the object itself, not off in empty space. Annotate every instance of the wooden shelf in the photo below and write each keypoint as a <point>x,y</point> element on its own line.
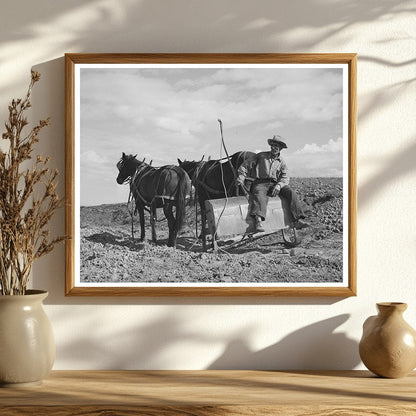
<point>204,393</point>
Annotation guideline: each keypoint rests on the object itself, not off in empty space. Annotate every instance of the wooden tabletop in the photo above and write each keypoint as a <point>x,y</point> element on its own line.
<point>203,393</point>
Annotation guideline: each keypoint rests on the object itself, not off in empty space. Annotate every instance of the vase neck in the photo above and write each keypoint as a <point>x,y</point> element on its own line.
<point>390,308</point>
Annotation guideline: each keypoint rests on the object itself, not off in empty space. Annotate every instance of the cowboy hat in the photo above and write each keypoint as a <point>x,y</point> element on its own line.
<point>277,140</point>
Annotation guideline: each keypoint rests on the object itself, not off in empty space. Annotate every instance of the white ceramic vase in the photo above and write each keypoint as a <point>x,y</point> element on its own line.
<point>27,346</point>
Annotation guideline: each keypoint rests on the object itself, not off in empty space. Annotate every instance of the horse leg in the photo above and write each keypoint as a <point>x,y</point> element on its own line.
<point>214,244</point>
<point>141,216</point>
<point>203,228</point>
<point>153,218</point>
<point>168,211</point>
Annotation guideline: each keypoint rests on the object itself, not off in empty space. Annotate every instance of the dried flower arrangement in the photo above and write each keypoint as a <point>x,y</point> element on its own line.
<point>28,199</point>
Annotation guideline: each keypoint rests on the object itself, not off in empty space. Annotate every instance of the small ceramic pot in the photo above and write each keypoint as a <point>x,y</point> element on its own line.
<point>27,347</point>
<point>388,345</point>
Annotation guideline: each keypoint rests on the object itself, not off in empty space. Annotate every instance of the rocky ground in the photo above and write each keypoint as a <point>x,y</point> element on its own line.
<point>108,253</point>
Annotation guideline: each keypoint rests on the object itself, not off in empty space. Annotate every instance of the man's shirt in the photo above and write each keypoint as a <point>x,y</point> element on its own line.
<point>264,166</point>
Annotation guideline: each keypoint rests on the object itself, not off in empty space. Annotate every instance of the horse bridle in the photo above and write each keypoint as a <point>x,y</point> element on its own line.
<point>120,165</point>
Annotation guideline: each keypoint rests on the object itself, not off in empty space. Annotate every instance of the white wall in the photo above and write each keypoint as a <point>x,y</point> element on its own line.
<point>200,333</point>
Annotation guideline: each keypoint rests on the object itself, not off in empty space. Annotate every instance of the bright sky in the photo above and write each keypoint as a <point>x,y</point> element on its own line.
<point>164,113</point>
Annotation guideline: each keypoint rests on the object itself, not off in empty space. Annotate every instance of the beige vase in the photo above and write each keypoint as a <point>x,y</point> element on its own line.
<point>388,345</point>
<point>27,347</point>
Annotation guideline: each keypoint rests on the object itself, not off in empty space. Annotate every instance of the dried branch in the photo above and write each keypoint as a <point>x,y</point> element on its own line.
<point>23,218</point>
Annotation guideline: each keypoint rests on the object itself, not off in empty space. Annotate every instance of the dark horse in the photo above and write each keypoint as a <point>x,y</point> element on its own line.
<point>214,179</point>
<point>165,187</point>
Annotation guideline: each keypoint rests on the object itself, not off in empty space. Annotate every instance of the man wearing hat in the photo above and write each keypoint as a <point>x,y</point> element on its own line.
<point>269,172</point>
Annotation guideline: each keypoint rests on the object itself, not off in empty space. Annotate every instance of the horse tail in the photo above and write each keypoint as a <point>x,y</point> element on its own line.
<point>182,193</point>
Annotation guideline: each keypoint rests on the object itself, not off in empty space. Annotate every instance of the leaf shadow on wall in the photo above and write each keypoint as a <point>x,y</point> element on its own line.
<point>313,347</point>
<point>151,345</point>
<point>133,26</point>
<point>394,168</point>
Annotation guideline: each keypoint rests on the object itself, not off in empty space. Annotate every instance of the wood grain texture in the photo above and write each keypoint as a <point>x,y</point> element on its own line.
<point>341,292</point>
<point>352,175</point>
<point>242,393</point>
<point>259,58</point>
<point>325,58</point>
<point>211,411</point>
<point>69,174</point>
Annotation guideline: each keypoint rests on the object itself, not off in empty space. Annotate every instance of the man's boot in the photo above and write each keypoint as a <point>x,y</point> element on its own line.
<point>259,227</point>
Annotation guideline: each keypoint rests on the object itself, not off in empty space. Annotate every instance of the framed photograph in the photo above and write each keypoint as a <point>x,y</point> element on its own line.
<point>211,174</point>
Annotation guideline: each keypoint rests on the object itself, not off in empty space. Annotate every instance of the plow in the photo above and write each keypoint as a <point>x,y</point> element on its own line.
<point>228,218</point>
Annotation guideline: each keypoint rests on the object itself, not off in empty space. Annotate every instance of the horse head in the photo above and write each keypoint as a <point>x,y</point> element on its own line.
<point>191,167</point>
<point>126,166</point>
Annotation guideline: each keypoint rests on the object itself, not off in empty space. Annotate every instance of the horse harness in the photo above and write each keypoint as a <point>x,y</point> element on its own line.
<point>200,176</point>
<point>136,179</point>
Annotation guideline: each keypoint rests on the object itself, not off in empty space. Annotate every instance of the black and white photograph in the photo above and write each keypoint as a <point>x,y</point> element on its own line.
<point>212,175</point>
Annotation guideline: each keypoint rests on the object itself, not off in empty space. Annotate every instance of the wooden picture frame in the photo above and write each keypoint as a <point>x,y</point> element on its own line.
<point>296,95</point>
